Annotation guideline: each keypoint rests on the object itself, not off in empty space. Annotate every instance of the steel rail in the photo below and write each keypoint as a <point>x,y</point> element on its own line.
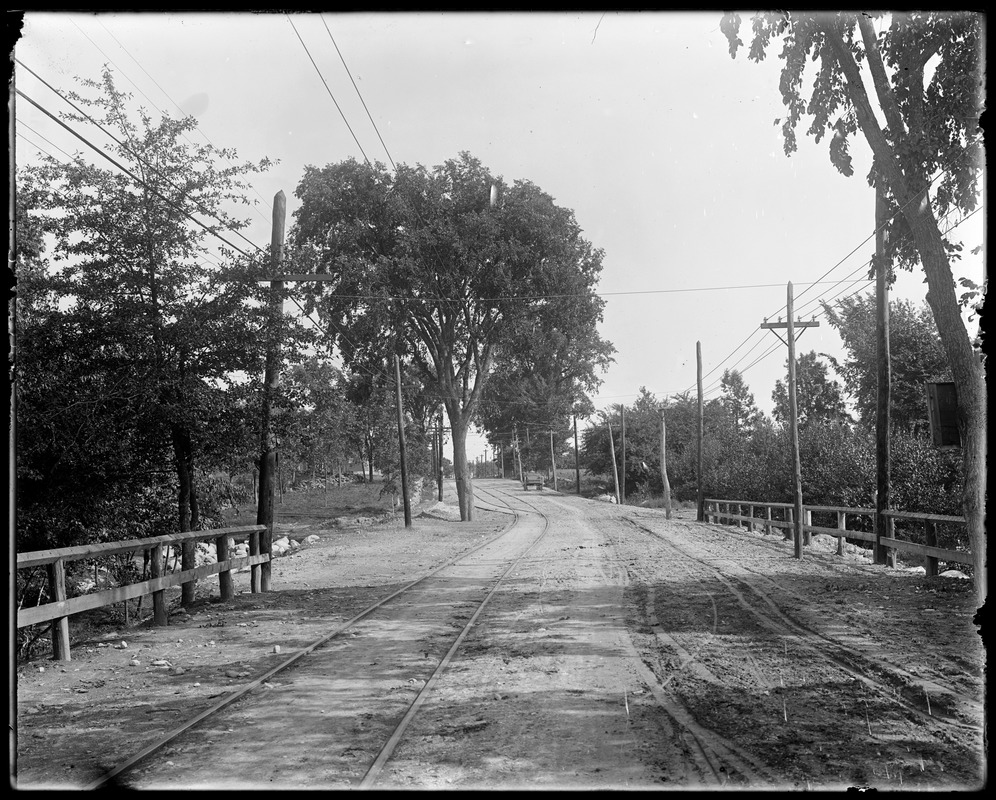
<point>110,777</point>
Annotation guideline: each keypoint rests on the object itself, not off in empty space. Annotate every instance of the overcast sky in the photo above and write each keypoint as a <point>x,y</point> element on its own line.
<point>665,148</point>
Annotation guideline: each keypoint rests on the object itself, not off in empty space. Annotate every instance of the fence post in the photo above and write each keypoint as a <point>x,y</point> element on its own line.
<point>930,539</point>
<point>159,616</point>
<point>255,580</point>
<point>226,586</point>
<point>60,627</point>
<point>750,522</point>
<point>841,526</point>
<point>789,518</point>
<point>767,516</point>
<point>807,536</point>
<point>890,531</point>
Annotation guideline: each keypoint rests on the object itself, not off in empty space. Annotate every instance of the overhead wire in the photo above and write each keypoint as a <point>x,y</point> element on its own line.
<point>134,177</point>
<point>327,89</point>
<point>358,94</point>
<point>127,148</point>
<point>178,108</point>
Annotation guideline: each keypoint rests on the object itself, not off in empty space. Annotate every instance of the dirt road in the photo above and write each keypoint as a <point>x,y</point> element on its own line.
<point>623,650</point>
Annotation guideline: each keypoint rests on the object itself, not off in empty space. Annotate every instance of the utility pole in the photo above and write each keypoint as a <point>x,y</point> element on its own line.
<point>883,400</point>
<point>790,326</point>
<point>622,434</point>
<point>553,462</point>
<point>700,504</point>
<point>577,457</point>
<point>666,483</point>
<point>439,472</point>
<point>259,574</point>
<point>401,445</point>
<point>615,469</point>
<point>518,454</point>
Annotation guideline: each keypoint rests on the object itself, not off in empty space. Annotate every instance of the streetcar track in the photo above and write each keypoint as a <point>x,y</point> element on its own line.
<point>112,775</point>
<point>847,659</point>
<point>717,758</point>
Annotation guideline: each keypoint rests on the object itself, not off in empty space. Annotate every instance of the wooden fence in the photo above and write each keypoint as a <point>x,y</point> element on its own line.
<point>731,511</point>
<point>61,607</point>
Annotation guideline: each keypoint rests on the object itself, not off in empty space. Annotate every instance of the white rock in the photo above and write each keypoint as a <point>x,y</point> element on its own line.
<point>312,539</point>
<point>954,573</point>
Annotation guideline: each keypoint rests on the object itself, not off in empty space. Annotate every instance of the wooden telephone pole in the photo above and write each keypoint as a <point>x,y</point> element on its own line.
<point>553,461</point>
<point>615,469</point>
<point>700,500</point>
<point>262,543</point>
<point>882,416</point>
<point>666,483</point>
<point>401,446</point>
<point>622,435</point>
<point>577,457</point>
<point>790,327</point>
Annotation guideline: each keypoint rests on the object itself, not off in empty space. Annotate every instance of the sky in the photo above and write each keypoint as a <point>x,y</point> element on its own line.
<point>664,147</point>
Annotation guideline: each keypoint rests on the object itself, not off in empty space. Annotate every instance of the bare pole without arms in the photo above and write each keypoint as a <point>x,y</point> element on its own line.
<point>615,469</point>
<point>577,456</point>
<point>401,445</point>
<point>700,500</point>
<point>553,462</point>
<point>622,438</point>
<point>439,471</point>
<point>882,416</point>
<point>665,482</point>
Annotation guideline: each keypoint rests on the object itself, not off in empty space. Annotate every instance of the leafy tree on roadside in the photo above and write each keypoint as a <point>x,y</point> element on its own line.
<point>915,352</point>
<point>739,401</point>
<point>926,74</point>
<point>819,397</point>
<point>148,332</point>
<point>447,267</point>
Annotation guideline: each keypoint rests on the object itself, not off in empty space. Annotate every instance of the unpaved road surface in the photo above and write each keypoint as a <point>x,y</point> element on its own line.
<point>615,649</point>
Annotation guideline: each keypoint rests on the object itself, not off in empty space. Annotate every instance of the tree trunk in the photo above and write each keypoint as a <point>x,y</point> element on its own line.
<point>464,482</point>
<point>970,383</point>
<point>910,193</point>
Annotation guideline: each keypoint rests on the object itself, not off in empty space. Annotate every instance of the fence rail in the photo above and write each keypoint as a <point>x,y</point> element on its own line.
<point>722,512</point>
<point>61,607</point>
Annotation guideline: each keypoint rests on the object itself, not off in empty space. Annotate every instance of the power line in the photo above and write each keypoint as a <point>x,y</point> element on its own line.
<point>327,89</point>
<point>175,104</point>
<point>127,149</point>
<point>134,177</point>
<point>358,93</point>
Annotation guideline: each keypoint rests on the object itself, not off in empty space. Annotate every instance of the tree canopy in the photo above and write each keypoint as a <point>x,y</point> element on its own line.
<point>127,338</point>
<point>450,268</point>
<point>915,91</point>
<point>915,352</point>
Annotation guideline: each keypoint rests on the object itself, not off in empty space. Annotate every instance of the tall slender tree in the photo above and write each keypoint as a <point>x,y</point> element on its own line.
<point>915,92</point>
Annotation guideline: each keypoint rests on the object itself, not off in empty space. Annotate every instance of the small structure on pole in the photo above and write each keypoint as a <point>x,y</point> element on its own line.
<point>790,326</point>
